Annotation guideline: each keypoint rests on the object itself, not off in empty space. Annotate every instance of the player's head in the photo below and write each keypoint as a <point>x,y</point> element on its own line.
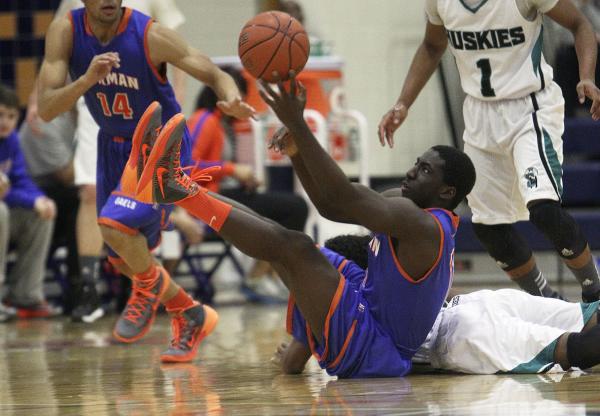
<point>442,177</point>
<point>9,111</point>
<point>207,98</point>
<point>103,11</point>
<point>353,247</point>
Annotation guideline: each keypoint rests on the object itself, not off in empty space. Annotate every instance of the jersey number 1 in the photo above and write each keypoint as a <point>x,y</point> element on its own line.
<point>120,105</point>
<point>486,74</point>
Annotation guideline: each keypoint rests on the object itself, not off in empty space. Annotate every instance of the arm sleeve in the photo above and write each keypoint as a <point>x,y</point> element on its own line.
<point>23,192</point>
<point>431,11</point>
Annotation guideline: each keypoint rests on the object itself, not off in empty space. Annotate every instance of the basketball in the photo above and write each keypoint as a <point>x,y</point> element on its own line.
<point>273,41</point>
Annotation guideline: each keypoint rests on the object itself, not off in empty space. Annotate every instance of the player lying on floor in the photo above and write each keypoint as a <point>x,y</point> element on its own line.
<point>371,331</point>
<point>484,332</point>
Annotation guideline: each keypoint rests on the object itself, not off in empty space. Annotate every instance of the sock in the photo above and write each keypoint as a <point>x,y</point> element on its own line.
<point>586,275</point>
<point>206,208</point>
<point>148,277</point>
<point>180,302</point>
<point>582,348</point>
<point>90,266</point>
<point>534,283</point>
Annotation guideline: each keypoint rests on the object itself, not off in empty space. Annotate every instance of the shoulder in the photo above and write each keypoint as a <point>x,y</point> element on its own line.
<point>431,10</point>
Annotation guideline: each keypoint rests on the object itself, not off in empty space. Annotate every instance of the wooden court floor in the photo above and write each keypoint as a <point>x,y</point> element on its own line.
<point>54,367</point>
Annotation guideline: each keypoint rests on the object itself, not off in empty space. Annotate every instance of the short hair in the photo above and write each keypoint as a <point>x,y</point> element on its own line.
<point>8,97</point>
<point>207,98</point>
<point>353,247</point>
<point>459,171</point>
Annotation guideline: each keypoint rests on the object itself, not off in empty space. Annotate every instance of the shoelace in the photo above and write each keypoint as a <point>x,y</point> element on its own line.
<point>140,298</point>
<point>182,333</point>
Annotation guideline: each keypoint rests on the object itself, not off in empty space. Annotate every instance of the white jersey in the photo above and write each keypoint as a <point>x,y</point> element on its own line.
<point>507,330</point>
<point>498,51</point>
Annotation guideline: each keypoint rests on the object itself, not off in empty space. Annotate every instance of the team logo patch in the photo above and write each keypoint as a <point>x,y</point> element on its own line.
<point>530,176</point>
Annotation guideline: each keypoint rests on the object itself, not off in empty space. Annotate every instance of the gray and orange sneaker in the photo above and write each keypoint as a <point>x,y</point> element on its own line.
<point>145,134</point>
<point>163,180</point>
<point>139,312</point>
<point>189,328</point>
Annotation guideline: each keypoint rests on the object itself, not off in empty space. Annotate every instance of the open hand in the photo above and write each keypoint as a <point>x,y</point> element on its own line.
<point>390,122</point>
<point>587,88</point>
<point>237,108</point>
<point>289,106</point>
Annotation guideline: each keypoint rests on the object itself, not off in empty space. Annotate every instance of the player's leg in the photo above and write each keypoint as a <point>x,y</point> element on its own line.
<point>310,277</point>
<point>538,160</point>
<point>89,239</point>
<point>496,203</point>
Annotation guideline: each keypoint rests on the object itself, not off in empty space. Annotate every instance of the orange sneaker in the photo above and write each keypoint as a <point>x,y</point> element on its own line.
<point>189,327</point>
<point>143,139</point>
<point>139,313</point>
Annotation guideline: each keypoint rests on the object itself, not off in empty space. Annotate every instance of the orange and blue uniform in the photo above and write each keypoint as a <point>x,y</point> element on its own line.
<point>116,104</point>
<point>379,317</point>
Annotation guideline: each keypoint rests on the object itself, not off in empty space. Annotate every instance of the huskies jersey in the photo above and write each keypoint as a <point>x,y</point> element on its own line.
<point>498,52</point>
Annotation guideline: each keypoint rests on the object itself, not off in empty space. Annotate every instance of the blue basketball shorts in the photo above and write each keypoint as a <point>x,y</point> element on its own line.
<point>354,344</point>
<point>118,210</point>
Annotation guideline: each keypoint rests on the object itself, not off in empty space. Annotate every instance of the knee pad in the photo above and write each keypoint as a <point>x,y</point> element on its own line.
<point>504,244</point>
<point>558,227</point>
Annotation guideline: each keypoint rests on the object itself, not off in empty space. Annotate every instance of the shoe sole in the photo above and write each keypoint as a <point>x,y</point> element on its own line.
<point>129,179</point>
<point>211,318</point>
<point>150,321</point>
<point>172,130</point>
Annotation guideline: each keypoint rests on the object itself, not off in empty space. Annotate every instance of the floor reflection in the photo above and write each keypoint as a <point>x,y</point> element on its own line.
<point>55,367</point>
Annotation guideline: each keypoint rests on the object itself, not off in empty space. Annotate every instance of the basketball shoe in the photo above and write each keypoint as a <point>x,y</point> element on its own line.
<point>144,136</point>
<point>139,313</point>
<point>189,328</point>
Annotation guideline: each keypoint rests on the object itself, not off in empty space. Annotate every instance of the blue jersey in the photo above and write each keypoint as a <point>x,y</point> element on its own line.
<point>406,308</point>
<point>118,101</point>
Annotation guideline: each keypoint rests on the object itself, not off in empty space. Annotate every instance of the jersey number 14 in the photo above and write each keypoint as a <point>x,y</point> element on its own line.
<point>486,73</point>
<point>120,105</point>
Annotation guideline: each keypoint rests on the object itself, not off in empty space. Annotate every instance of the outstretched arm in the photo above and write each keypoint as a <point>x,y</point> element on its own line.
<point>423,65</point>
<point>334,195</point>
<point>567,15</point>
<point>54,97</point>
<point>166,45</point>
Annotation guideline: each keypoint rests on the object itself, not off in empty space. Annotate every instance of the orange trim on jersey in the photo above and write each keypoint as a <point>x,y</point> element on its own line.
<point>290,314</point>
<point>334,304</point>
<point>147,53</point>
<point>109,222</point>
<point>121,193</point>
<point>118,139</point>
<point>70,16</point>
<point>403,272</point>
<point>124,20</point>
<point>344,347</point>
<point>342,265</point>
<point>455,218</point>
<point>86,24</point>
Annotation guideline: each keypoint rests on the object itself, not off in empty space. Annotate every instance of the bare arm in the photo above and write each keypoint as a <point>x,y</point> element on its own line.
<point>54,97</point>
<point>567,15</point>
<point>166,45</point>
<point>339,199</point>
<point>423,65</point>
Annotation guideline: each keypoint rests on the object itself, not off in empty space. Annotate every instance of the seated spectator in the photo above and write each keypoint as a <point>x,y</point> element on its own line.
<point>213,141</point>
<point>49,149</point>
<point>26,219</point>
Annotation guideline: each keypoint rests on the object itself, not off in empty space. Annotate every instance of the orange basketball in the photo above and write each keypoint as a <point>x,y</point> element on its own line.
<point>273,41</point>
